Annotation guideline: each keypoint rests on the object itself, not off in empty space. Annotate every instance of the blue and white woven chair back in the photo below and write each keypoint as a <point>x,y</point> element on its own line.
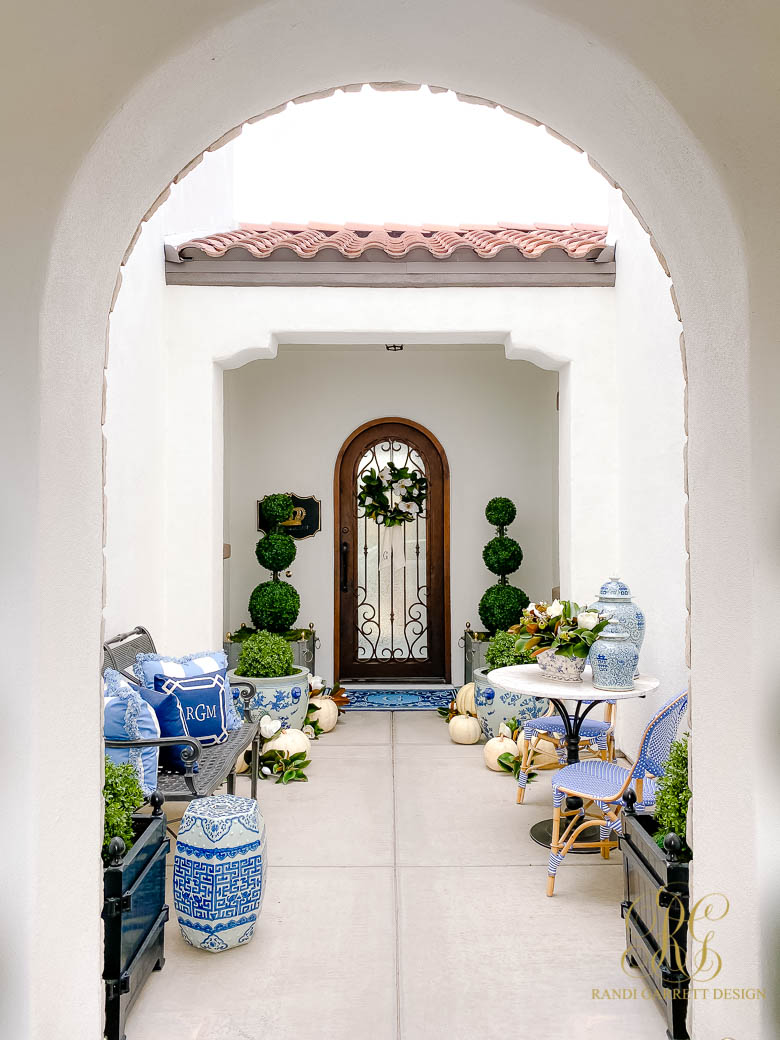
<point>657,741</point>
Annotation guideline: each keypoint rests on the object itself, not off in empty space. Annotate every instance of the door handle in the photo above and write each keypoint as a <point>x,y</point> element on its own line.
<point>344,566</point>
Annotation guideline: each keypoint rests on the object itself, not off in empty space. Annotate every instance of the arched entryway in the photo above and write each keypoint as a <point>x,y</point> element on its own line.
<point>60,307</point>
<point>392,584</point>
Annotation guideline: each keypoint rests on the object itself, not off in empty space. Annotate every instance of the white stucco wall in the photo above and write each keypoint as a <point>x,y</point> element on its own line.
<point>138,521</point>
<point>286,420</point>
<point>649,447</point>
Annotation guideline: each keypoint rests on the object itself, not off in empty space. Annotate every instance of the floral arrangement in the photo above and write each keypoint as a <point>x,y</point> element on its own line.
<point>393,496</point>
<point>561,626</point>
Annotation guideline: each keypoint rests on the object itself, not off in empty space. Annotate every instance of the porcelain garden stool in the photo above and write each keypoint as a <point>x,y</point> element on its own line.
<point>219,872</point>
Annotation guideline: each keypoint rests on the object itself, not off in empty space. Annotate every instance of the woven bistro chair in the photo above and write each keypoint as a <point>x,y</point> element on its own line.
<point>599,788</point>
<point>597,737</point>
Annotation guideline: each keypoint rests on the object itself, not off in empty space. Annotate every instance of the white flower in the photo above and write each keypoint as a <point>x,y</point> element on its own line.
<point>265,770</point>
<point>269,727</point>
<point>316,682</point>
<point>308,731</point>
<point>504,731</point>
<point>398,487</point>
<point>588,619</point>
<point>555,609</point>
<point>414,509</point>
<point>384,475</point>
<point>379,518</point>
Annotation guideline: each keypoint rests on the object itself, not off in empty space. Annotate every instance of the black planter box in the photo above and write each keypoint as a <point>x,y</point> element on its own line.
<point>134,916</point>
<point>655,909</point>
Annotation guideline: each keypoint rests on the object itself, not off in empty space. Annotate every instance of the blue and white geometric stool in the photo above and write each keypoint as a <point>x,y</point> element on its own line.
<point>219,871</point>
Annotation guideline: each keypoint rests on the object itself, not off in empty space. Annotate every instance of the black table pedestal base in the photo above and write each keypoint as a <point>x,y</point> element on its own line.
<point>542,834</point>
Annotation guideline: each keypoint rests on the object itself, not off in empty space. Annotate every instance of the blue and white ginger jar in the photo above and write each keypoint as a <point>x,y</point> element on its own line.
<point>219,872</point>
<point>615,600</point>
<point>495,704</point>
<point>613,658</point>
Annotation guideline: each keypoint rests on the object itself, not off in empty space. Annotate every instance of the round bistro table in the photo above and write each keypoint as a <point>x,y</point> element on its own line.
<point>528,679</point>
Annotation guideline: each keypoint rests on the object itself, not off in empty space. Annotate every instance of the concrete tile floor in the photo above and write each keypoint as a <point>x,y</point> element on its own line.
<point>406,902</point>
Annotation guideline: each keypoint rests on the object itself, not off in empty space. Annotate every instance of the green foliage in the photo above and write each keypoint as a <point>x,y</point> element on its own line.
<point>502,555</point>
<point>275,551</point>
<point>284,766</point>
<point>500,512</point>
<point>316,728</point>
<point>394,496</point>
<point>503,650</point>
<point>560,626</point>
<point>277,508</point>
<point>265,656</point>
<point>123,795</point>
<point>673,794</point>
<point>512,764</point>
<point>501,607</point>
<point>274,606</point>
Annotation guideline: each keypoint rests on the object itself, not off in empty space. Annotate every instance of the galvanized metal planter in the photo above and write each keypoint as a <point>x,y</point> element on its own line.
<point>655,909</point>
<point>475,645</point>
<point>303,648</point>
<point>134,916</point>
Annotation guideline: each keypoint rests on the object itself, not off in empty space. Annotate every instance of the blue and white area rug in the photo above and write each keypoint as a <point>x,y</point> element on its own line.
<point>407,698</point>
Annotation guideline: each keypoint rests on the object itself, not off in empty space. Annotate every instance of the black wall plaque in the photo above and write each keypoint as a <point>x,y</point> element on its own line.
<point>305,521</point>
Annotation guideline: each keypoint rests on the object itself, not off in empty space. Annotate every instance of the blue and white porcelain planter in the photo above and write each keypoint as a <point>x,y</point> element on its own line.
<point>495,704</point>
<point>561,669</point>
<point>219,872</point>
<point>615,600</point>
<point>613,659</point>
<point>285,698</point>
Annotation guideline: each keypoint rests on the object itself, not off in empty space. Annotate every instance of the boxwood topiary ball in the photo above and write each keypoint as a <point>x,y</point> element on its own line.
<point>500,512</point>
<point>501,607</point>
<point>502,555</point>
<point>277,508</point>
<point>274,606</point>
<point>276,551</point>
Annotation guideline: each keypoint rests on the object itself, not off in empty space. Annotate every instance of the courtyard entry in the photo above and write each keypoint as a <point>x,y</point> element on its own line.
<point>392,580</point>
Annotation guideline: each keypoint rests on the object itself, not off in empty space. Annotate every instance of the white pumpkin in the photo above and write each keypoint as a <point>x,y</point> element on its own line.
<point>464,701</point>
<point>290,741</point>
<point>495,748</point>
<point>327,713</point>
<point>465,729</point>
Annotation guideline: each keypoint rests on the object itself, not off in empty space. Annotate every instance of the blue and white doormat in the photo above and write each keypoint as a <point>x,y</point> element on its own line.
<point>388,698</point>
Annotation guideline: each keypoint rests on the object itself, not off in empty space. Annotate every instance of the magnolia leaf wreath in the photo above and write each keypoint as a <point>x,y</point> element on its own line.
<point>393,496</point>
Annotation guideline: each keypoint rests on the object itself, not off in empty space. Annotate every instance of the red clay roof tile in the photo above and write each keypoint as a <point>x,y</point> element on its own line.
<point>578,241</point>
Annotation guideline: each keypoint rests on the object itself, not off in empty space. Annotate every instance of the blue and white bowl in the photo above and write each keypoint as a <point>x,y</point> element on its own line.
<point>285,698</point>
<point>495,704</point>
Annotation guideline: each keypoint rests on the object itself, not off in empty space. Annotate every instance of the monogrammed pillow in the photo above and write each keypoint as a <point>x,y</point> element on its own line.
<point>202,702</point>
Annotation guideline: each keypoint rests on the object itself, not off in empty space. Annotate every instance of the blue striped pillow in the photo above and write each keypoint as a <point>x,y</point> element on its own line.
<point>205,663</point>
<point>127,716</point>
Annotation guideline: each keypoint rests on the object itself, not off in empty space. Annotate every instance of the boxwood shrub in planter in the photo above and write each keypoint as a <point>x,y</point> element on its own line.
<point>656,868</point>
<point>282,687</point>
<point>134,909</point>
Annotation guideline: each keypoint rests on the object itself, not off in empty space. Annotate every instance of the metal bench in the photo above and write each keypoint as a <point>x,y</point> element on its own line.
<point>217,763</point>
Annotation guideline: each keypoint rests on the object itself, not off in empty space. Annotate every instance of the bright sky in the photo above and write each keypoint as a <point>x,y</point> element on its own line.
<point>410,157</point>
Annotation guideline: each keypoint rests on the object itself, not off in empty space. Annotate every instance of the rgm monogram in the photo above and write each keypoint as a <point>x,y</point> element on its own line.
<point>704,962</point>
<point>200,712</point>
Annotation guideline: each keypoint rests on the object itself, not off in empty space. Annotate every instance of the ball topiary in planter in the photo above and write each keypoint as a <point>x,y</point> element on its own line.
<point>502,605</point>
<point>266,656</point>
<point>274,606</point>
<point>275,551</point>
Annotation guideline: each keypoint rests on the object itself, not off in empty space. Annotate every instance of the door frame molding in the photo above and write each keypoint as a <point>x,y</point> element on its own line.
<point>337,537</point>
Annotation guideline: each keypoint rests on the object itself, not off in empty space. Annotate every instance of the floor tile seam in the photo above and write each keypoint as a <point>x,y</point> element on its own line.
<point>396,885</point>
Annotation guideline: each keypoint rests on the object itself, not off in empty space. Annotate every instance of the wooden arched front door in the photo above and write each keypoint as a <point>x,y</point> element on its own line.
<point>392,616</point>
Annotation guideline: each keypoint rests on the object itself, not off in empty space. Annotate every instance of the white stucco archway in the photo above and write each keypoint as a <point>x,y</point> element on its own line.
<point>243,68</point>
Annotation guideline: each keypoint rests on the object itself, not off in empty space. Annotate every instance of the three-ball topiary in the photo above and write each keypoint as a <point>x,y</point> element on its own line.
<point>274,606</point>
<point>275,551</point>
<point>502,605</point>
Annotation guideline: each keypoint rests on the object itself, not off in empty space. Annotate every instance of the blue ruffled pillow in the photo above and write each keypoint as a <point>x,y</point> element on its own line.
<point>169,716</point>
<point>202,702</point>
<point>205,663</point>
<point>127,716</point>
